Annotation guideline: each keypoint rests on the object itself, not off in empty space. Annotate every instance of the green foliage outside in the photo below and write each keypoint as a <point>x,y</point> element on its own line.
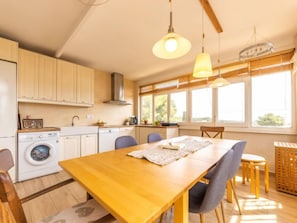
<point>270,119</point>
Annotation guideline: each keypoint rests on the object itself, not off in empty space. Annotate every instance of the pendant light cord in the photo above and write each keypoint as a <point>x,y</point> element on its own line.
<point>203,31</point>
<point>219,54</point>
<point>170,29</point>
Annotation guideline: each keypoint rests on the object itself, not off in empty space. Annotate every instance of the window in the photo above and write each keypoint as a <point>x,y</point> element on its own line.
<point>272,107</point>
<point>231,103</point>
<point>202,105</point>
<point>146,108</point>
<point>161,102</point>
<point>178,107</point>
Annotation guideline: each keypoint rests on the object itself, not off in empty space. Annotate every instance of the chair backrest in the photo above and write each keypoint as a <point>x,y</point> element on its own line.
<point>125,141</point>
<point>215,190</point>
<point>238,149</point>
<point>154,137</point>
<point>212,131</point>
<point>7,190</point>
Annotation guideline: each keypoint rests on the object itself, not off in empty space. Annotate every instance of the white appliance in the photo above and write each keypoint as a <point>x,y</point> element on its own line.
<point>8,108</point>
<point>38,154</point>
<point>107,137</point>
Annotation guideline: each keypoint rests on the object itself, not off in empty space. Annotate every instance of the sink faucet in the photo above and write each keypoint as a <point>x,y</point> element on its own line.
<point>73,119</point>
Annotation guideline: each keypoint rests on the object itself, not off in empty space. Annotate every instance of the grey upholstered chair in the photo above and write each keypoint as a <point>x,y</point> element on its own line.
<point>206,197</point>
<point>125,141</point>
<point>154,137</point>
<point>238,149</point>
<point>89,211</point>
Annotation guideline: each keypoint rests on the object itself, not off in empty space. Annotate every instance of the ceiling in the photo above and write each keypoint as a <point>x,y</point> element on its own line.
<point>118,36</point>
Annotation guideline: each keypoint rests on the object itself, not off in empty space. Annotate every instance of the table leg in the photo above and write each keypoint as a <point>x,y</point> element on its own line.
<point>181,208</point>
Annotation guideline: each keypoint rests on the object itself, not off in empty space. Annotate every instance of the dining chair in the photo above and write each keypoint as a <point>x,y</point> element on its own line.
<point>207,197</point>
<point>89,211</point>
<point>125,141</point>
<point>153,137</point>
<point>238,149</point>
<point>212,131</point>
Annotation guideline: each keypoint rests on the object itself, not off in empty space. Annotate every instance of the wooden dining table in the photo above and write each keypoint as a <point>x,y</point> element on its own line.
<point>136,190</point>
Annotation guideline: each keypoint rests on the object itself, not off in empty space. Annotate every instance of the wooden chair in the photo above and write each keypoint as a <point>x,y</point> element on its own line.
<point>9,196</point>
<point>212,131</point>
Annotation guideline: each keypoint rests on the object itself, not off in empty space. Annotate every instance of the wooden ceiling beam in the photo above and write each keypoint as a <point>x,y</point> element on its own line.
<point>211,15</point>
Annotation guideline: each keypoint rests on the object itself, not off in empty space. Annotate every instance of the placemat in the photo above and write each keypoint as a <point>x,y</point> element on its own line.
<point>169,152</point>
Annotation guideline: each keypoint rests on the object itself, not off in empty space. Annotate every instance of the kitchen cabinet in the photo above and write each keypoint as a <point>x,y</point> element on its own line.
<point>47,78</point>
<point>37,76</point>
<point>85,85</point>
<point>8,50</point>
<point>66,81</point>
<point>78,145</point>
<point>88,144</point>
<point>44,79</point>
<point>69,147</point>
<point>165,132</point>
<point>28,75</point>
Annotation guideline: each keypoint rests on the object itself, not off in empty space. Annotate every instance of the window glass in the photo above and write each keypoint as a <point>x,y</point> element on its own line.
<point>161,108</point>
<point>272,107</point>
<point>178,107</point>
<point>202,105</point>
<point>146,108</point>
<point>231,103</point>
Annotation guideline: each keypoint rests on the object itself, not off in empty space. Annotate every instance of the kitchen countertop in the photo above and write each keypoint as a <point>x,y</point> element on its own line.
<point>157,126</point>
<point>45,129</point>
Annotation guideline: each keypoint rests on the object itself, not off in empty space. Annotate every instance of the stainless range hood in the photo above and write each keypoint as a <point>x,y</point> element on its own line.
<point>117,90</point>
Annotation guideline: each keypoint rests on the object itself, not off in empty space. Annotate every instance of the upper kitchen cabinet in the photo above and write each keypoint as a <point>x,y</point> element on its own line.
<point>66,81</point>
<point>47,78</point>
<point>27,75</point>
<point>85,85</point>
<point>37,77</point>
<point>8,50</point>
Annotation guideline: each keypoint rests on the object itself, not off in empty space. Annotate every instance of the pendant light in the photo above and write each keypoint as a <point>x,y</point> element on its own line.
<point>171,45</point>
<point>220,81</point>
<point>202,67</point>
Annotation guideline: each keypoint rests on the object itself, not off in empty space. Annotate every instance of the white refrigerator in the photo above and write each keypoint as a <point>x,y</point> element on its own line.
<point>8,109</point>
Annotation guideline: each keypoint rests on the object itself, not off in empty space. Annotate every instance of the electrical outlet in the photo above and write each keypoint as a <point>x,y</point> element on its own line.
<point>90,117</point>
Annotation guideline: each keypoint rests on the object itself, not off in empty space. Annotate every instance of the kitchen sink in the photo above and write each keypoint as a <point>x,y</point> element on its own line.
<point>78,130</point>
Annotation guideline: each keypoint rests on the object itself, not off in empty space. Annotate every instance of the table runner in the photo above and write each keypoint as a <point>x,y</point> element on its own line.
<point>162,155</point>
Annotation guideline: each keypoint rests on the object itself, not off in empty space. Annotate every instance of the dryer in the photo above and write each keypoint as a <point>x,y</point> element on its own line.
<point>38,154</point>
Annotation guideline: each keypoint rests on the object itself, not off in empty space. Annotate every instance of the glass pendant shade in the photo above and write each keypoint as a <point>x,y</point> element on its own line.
<point>219,82</point>
<point>171,46</point>
<point>202,67</point>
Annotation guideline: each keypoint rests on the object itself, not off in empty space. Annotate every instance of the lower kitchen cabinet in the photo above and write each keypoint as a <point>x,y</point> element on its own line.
<point>88,144</point>
<point>165,132</point>
<point>77,146</point>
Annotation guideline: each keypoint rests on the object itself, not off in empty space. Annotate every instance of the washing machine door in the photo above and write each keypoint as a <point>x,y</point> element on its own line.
<point>40,153</point>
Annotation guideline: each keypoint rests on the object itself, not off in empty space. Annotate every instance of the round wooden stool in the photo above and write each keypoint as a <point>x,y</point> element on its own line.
<point>250,170</point>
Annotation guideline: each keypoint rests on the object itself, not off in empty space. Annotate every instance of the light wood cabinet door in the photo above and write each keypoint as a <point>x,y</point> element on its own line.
<point>47,76</point>
<point>66,81</point>
<point>166,133</point>
<point>85,85</point>
<point>88,144</point>
<point>8,50</point>
<point>28,75</point>
<point>69,147</point>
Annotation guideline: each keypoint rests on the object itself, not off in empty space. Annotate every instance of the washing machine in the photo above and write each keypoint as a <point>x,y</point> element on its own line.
<point>38,154</point>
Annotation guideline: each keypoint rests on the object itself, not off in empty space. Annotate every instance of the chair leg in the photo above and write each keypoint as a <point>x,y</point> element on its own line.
<point>257,182</point>
<point>252,176</point>
<point>235,196</point>
<point>223,211</point>
<point>161,218</point>
<point>266,177</point>
<point>202,218</point>
<point>218,215</point>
